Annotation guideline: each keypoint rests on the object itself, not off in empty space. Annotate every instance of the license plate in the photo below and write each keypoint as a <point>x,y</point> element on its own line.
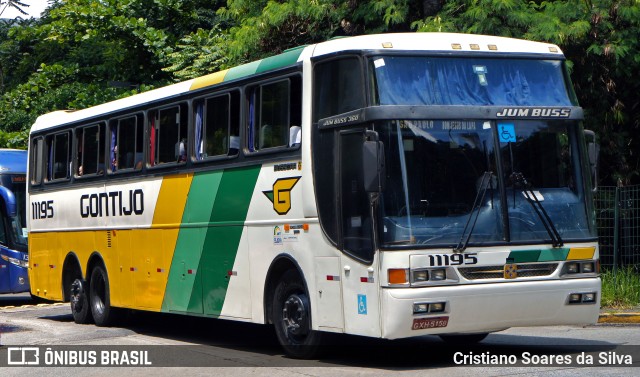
<point>429,323</point>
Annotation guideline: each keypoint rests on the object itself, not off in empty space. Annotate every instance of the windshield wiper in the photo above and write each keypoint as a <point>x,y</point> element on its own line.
<point>485,182</point>
<point>532,198</point>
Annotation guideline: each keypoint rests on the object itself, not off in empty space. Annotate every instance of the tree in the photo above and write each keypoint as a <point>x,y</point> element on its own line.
<point>17,5</point>
<point>81,44</point>
<point>249,30</point>
<point>68,58</point>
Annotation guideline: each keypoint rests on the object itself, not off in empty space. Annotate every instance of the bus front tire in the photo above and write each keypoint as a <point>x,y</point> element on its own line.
<point>292,318</point>
<point>79,302</point>
<point>101,310</point>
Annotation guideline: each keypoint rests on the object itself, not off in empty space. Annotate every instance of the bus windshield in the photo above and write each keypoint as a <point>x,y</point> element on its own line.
<point>406,80</point>
<point>17,226</point>
<point>442,173</point>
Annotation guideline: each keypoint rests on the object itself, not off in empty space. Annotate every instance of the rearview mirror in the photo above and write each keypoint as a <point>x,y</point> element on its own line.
<point>373,163</point>
<point>593,152</point>
<point>9,200</point>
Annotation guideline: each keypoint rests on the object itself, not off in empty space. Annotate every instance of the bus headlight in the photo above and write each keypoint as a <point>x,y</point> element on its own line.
<point>419,308</point>
<point>572,268</point>
<point>420,276</point>
<point>579,267</point>
<point>15,261</point>
<point>587,267</point>
<point>575,298</point>
<point>582,298</point>
<point>437,307</point>
<point>439,274</point>
<point>425,276</point>
<point>428,307</point>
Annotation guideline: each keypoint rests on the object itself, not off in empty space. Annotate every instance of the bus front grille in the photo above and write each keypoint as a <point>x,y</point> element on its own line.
<point>524,270</point>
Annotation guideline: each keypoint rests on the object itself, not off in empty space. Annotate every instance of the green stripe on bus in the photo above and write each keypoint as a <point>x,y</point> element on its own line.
<point>553,255</point>
<point>546,255</point>
<point>187,255</point>
<point>242,71</point>
<point>285,59</point>
<point>221,242</point>
<point>234,195</point>
<point>523,256</point>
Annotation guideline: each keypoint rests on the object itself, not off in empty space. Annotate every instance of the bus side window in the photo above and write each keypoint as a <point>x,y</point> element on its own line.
<point>58,153</point>
<point>338,87</point>
<point>275,108</point>
<point>126,143</point>
<point>36,161</point>
<point>168,135</point>
<point>90,150</point>
<point>217,126</point>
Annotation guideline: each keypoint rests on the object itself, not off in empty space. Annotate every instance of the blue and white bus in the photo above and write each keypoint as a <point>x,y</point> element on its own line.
<point>14,260</point>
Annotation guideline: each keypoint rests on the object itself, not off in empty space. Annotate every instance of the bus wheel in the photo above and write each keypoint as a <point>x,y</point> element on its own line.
<point>464,338</point>
<point>103,313</point>
<point>292,318</point>
<point>79,302</point>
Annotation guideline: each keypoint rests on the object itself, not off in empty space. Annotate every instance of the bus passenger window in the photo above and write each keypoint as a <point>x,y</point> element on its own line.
<point>217,126</point>
<point>90,150</point>
<point>275,108</point>
<point>338,87</point>
<point>58,165</point>
<point>168,135</point>
<point>126,142</point>
<point>36,161</point>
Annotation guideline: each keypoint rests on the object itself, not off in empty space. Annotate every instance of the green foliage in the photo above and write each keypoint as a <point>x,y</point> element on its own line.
<point>262,28</point>
<point>51,87</point>
<point>269,27</point>
<point>67,58</point>
<point>197,54</point>
<point>15,140</point>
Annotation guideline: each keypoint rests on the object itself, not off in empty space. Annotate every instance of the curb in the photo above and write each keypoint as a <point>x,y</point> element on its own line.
<point>619,318</point>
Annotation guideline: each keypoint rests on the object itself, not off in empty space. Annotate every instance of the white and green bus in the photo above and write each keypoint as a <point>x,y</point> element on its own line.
<point>388,186</point>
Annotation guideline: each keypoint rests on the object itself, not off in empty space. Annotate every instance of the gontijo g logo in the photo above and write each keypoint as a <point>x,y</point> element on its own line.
<point>280,196</point>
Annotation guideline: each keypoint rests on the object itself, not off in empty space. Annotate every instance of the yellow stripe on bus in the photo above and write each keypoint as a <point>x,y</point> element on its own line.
<point>171,201</point>
<point>577,253</point>
<point>155,247</point>
<point>208,80</point>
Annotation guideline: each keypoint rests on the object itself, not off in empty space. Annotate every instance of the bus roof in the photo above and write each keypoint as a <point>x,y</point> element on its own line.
<point>13,161</point>
<point>441,42</point>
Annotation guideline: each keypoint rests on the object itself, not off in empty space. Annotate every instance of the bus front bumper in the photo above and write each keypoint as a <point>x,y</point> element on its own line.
<point>482,308</point>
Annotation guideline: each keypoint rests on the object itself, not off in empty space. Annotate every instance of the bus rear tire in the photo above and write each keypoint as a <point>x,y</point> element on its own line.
<point>103,313</point>
<point>80,302</point>
<point>292,318</point>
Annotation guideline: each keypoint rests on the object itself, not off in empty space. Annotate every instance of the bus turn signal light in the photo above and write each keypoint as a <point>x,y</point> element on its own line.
<point>398,276</point>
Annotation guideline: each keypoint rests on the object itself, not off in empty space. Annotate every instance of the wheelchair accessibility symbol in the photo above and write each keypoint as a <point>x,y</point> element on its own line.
<point>507,133</point>
<point>362,304</point>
